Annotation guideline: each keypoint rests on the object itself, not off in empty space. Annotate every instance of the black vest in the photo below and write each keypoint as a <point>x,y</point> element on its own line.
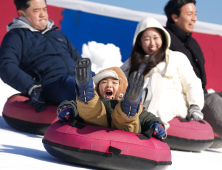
<point>185,43</point>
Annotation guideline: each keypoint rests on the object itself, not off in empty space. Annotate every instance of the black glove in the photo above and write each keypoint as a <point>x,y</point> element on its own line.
<point>36,100</point>
<point>194,113</point>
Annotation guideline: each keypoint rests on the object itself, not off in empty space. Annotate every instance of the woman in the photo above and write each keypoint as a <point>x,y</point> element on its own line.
<point>182,94</point>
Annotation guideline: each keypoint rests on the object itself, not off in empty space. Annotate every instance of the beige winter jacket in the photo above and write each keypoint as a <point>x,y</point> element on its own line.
<point>95,113</point>
<point>181,87</point>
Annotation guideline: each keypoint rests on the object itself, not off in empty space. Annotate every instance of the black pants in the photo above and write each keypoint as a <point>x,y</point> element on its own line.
<point>60,90</point>
<point>213,111</point>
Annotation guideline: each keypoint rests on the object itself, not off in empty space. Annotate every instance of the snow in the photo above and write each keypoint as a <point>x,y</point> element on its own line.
<point>101,55</point>
<point>23,151</point>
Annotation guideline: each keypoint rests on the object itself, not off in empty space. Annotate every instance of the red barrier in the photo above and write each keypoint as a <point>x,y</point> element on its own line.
<point>211,47</point>
<point>9,12</point>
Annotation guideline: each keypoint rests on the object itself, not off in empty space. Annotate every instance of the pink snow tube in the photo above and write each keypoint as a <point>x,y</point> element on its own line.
<point>217,142</point>
<point>189,135</point>
<point>22,116</point>
<point>105,148</point>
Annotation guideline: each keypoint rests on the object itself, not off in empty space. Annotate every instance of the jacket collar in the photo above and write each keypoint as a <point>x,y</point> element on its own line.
<point>169,71</point>
<point>22,22</point>
<point>181,34</point>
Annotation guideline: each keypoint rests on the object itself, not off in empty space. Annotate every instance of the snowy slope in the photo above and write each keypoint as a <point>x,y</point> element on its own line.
<point>23,151</point>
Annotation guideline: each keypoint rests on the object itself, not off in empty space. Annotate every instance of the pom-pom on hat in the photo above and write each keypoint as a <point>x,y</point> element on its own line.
<point>116,73</point>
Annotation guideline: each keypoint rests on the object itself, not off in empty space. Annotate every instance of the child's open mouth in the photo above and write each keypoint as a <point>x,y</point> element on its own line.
<point>109,93</point>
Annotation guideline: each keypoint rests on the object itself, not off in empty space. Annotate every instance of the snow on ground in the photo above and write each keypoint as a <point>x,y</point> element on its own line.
<point>23,151</point>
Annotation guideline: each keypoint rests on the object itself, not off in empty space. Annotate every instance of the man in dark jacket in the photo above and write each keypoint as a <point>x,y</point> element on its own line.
<point>36,59</point>
<point>181,17</point>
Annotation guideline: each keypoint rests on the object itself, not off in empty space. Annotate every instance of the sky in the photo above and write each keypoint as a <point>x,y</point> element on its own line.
<point>207,11</point>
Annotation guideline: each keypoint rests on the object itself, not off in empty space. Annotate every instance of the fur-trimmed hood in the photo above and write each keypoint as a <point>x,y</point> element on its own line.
<point>114,72</point>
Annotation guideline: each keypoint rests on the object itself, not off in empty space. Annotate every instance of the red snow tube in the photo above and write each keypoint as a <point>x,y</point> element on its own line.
<point>22,116</point>
<point>217,142</point>
<point>189,135</point>
<point>105,148</point>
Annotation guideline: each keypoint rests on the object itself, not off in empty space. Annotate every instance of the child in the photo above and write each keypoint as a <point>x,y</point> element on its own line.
<point>103,106</point>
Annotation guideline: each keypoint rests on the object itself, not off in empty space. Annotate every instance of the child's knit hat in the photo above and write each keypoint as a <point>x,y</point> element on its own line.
<point>114,72</point>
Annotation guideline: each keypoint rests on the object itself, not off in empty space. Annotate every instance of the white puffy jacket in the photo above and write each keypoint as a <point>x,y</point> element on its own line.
<point>181,86</point>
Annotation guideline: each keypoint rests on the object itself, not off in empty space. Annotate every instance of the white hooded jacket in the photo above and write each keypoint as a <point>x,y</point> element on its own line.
<point>181,86</point>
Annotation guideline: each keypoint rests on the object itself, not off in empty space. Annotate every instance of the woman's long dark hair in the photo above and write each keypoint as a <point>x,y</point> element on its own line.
<point>137,55</point>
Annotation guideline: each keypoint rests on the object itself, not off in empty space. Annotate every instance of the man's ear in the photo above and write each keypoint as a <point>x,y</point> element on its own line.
<point>174,17</point>
<point>21,13</point>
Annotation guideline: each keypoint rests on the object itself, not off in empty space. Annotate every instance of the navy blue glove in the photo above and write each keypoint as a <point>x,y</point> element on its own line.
<point>65,112</point>
<point>36,100</point>
<point>159,131</point>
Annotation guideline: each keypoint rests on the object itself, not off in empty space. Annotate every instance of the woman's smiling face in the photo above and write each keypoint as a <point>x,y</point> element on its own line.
<point>108,87</point>
<point>151,40</point>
